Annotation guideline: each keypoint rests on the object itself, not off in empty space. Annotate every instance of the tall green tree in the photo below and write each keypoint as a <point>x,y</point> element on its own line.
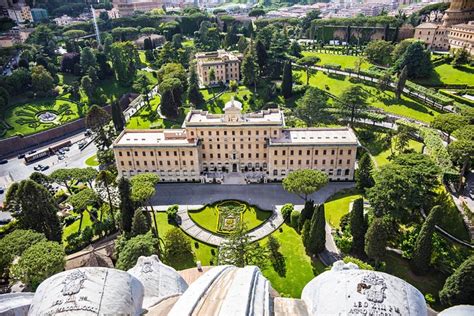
<point>250,68</point>
<point>402,79</point>
<point>89,88</point>
<point>127,208</point>
<point>242,44</point>
<point>462,155</point>
<point>171,94</point>
<point>262,56</point>
<point>420,262</point>
<point>39,262</point>
<point>376,239</point>
<point>307,62</point>
<point>353,103</point>
<point>306,213</point>
<point>449,122</point>
<point>458,287</point>
<point>125,61</point>
<point>363,174</point>
<point>317,235</point>
<point>177,249</point>
<point>97,120</point>
<point>358,226</point>
<point>417,59</point>
<point>287,81</point>
<point>41,79</point>
<point>139,223</point>
<point>312,108</point>
<point>88,59</point>
<point>106,179</point>
<point>64,177</point>
<point>295,49</point>
<point>117,117</point>
<point>142,85</point>
<point>143,189</point>
<point>379,52</point>
<point>14,244</point>
<point>194,95</point>
<point>141,245</point>
<point>304,182</point>
<point>34,208</point>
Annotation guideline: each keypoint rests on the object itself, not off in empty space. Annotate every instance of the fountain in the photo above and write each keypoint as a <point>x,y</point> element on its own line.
<point>47,117</point>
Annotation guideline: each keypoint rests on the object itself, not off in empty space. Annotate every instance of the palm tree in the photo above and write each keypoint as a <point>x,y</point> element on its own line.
<point>107,179</point>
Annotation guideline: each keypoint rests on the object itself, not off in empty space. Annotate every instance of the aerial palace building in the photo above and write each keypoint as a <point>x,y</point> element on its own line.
<point>254,146</point>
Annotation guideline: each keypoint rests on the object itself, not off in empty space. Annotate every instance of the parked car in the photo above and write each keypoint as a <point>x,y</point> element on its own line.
<point>3,161</point>
<point>2,190</point>
<point>21,156</point>
<point>38,167</point>
<point>66,148</point>
<point>44,168</point>
<point>31,152</point>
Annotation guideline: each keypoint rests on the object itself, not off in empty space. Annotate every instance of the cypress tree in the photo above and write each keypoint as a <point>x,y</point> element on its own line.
<point>126,205</point>
<point>287,81</point>
<point>306,213</point>
<point>376,239</point>
<point>117,117</point>
<point>317,236</point>
<point>358,226</point>
<point>421,259</point>
<point>305,233</point>
<point>139,224</point>
<point>262,56</point>
<point>194,95</point>
<point>363,175</point>
<point>401,82</point>
<point>458,288</point>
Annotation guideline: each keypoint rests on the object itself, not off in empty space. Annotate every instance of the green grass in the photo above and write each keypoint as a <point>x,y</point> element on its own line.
<point>92,161</point>
<point>188,43</point>
<point>112,89</point>
<point>208,217</point>
<point>399,267</point>
<point>217,106</point>
<point>338,205</point>
<point>144,118</point>
<point>385,101</point>
<point>378,143</point>
<point>74,227</point>
<point>153,81</point>
<point>346,61</point>
<point>299,268</point>
<point>447,74</point>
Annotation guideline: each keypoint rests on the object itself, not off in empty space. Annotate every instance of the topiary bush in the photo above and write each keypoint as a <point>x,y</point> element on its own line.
<point>295,219</point>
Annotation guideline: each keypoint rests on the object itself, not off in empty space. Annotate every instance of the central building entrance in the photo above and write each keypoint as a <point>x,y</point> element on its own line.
<point>234,167</point>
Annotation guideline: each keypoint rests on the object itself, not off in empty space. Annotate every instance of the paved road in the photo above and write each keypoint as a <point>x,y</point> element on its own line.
<point>265,196</point>
<point>16,170</point>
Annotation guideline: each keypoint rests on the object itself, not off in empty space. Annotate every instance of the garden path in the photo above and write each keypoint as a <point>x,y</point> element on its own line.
<point>193,230</point>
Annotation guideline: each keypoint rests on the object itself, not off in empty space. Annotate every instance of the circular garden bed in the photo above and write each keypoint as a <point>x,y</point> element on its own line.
<point>225,217</point>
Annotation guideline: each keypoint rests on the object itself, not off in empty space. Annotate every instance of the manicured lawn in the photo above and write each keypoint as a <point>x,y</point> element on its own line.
<point>429,284</point>
<point>146,118</point>
<point>112,89</point>
<point>92,161</point>
<point>338,205</point>
<point>386,101</point>
<point>299,268</point>
<point>242,95</point>
<point>447,74</point>
<point>378,142</point>
<point>188,43</point>
<point>74,227</point>
<point>23,117</point>
<point>208,217</point>
<point>152,79</point>
<point>346,61</point>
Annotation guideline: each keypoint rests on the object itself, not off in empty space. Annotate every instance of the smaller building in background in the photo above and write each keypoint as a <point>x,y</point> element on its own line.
<point>39,15</point>
<point>462,36</point>
<point>15,36</point>
<point>434,35</point>
<point>226,66</point>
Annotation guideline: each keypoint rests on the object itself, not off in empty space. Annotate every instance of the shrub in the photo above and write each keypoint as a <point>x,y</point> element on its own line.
<point>294,219</point>
<point>172,212</point>
<point>286,211</point>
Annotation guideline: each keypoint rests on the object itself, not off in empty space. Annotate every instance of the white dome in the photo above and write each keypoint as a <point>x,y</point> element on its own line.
<point>159,280</point>
<point>233,105</point>
<point>346,290</point>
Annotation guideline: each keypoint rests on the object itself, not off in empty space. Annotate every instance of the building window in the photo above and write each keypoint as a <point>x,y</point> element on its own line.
<point>333,152</point>
<point>120,153</point>
<point>276,152</point>
<point>144,154</point>
<point>332,161</point>
<point>175,153</point>
<point>341,151</point>
<point>340,161</point>
<point>324,152</point>
<point>167,153</point>
<point>300,152</point>
<point>282,162</point>
<point>136,153</point>
<point>346,172</point>
<point>122,163</point>
<point>129,163</point>
<point>151,153</point>
<point>275,172</point>
<point>349,151</point>
<point>138,163</point>
<point>324,161</point>
<point>338,172</point>
<point>291,162</point>
<point>348,161</point>
<point>128,154</point>
<point>291,152</point>
<point>152,162</point>
<point>284,152</point>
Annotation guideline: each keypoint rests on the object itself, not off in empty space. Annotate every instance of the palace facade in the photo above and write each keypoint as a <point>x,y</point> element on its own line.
<point>256,146</point>
<point>226,66</point>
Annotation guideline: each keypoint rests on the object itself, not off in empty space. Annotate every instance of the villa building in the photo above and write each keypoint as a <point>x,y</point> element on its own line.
<point>461,36</point>
<point>255,146</point>
<point>226,66</point>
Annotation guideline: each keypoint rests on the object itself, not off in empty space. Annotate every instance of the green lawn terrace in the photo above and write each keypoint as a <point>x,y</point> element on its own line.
<point>386,101</point>
<point>345,61</point>
<point>446,74</point>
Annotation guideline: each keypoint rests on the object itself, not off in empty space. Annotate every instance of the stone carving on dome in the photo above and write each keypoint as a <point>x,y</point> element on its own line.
<point>373,288</point>
<point>73,282</point>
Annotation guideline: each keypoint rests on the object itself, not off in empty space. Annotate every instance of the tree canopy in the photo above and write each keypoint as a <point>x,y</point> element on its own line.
<point>304,182</point>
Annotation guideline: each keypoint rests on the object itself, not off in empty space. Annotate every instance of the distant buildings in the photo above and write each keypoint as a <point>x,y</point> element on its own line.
<point>157,40</point>
<point>226,66</point>
<point>128,7</point>
<point>20,13</point>
<point>462,36</point>
<point>39,15</point>
<point>15,36</point>
<point>455,30</point>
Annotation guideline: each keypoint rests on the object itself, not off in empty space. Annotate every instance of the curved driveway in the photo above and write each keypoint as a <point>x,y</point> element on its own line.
<point>265,196</point>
